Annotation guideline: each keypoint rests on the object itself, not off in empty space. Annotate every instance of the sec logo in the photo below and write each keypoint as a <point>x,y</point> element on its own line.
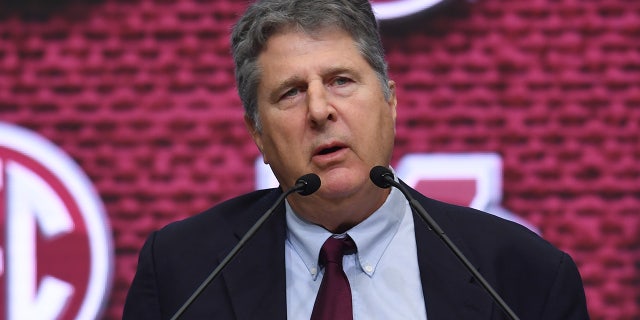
<point>391,9</point>
<point>55,246</point>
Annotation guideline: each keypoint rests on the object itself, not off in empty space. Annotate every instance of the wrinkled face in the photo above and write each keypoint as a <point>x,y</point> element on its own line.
<point>322,110</point>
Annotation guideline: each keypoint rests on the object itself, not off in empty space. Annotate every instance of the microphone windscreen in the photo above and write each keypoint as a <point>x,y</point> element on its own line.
<point>378,176</point>
<point>311,183</point>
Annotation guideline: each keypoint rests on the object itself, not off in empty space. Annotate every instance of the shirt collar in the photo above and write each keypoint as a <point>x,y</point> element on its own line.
<point>372,236</point>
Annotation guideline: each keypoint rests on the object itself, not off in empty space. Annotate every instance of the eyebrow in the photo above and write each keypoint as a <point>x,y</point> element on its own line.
<point>296,80</point>
<point>274,95</point>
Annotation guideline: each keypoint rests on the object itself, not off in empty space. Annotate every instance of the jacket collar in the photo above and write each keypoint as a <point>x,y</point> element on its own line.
<point>259,266</point>
<point>449,290</point>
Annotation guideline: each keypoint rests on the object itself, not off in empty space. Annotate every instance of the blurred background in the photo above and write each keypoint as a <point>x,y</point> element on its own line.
<point>140,94</point>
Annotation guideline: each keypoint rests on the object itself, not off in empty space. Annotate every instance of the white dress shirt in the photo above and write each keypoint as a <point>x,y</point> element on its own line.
<point>384,275</point>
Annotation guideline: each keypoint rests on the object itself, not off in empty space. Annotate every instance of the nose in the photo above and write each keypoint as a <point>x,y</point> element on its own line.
<point>320,110</point>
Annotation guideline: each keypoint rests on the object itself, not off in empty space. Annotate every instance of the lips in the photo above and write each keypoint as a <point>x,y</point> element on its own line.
<point>328,149</point>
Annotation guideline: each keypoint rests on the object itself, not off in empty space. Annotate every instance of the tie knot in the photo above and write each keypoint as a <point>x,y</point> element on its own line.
<point>335,248</point>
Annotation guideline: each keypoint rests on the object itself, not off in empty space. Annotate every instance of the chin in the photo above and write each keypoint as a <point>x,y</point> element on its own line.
<point>341,183</point>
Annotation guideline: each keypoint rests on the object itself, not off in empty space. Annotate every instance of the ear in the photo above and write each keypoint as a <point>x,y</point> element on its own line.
<point>256,135</point>
<point>393,100</point>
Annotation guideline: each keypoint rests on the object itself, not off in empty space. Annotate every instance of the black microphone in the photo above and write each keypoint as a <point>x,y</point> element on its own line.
<point>383,178</point>
<point>305,185</point>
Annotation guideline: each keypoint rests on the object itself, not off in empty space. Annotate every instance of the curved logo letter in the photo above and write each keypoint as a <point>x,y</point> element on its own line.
<point>56,256</point>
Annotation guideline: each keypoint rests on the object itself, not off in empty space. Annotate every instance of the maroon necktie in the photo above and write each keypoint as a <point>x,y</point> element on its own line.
<point>334,297</point>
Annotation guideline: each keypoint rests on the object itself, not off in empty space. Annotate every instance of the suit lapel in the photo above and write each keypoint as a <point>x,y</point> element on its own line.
<point>255,280</point>
<point>450,292</point>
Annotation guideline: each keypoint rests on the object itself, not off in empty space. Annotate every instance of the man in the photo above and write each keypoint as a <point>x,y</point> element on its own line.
<point>313,81</point>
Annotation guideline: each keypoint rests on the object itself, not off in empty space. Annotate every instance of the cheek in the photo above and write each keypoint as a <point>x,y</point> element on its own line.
<point>282,131</point>
<point>383,131</point>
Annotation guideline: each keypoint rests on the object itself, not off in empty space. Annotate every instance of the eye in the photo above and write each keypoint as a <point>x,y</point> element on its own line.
<point>290,93</point>
<point>340,81</point>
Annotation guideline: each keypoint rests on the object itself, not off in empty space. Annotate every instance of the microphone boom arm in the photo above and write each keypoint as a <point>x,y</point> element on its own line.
<point>305,185</point>
<point>433,225</point>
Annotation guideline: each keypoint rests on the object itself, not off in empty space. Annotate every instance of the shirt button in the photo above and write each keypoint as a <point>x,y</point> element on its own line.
<point>314,271</point>
<point>368,268</point>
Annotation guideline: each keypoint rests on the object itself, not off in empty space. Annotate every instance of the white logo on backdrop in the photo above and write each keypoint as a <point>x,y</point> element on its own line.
<point>56,257</point>
<point>385,10</point>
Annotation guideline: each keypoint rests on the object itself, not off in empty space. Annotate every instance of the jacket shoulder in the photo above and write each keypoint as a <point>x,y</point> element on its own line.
<point>520,264</point>
<point>238,211</point>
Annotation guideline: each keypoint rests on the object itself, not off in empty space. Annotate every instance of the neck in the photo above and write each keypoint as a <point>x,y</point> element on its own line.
<point>338,215</point>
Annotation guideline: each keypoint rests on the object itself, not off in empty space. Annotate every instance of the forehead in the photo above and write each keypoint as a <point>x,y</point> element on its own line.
<point>294,50</point>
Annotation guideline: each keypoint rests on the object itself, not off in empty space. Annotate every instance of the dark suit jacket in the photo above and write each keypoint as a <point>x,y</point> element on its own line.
<point>534,278</point>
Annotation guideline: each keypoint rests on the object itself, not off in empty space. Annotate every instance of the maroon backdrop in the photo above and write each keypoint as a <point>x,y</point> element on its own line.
<point>141,94</point>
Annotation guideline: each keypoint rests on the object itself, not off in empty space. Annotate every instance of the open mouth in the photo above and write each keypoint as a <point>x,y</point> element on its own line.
<point>329,150</point>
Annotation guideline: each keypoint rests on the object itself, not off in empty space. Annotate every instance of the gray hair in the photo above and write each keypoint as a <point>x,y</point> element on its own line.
<point>268,17</point>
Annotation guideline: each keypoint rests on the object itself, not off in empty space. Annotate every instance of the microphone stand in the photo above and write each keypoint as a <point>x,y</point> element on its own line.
<point>305,185</point>
<point>383,178</point>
